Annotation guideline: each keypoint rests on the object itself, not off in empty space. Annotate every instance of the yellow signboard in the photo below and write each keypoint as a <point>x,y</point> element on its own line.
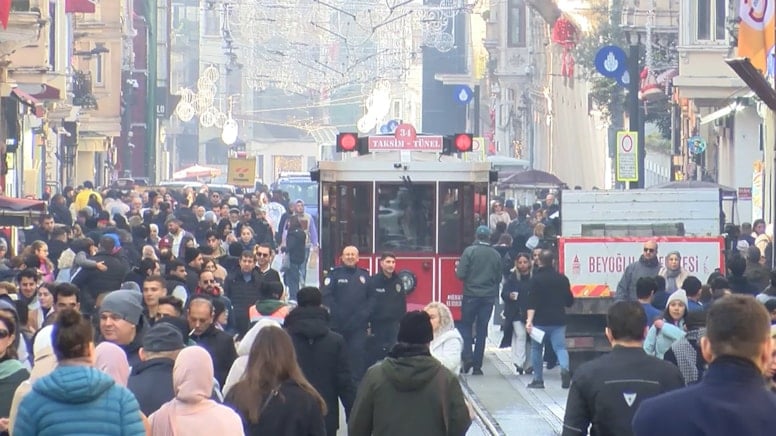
<point>627,156</point>
<point>241,172</point>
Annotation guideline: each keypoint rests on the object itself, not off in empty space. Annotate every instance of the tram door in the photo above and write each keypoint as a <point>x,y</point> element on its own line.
<point>460,211</point>
<point>346,219</point>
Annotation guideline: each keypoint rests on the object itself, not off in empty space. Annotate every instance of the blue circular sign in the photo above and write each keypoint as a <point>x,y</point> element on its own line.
<point>463,94</point>
<point>392,125</point>
<point>611,61</point>
<point>384,129</point>
<point>696,145</point>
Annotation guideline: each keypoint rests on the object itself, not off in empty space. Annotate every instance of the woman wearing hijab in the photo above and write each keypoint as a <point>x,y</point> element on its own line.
<point>112,360</point>
<point>673,272</point>
<point>273,397</point>
<point>192,412</point>
<point>77,398</point>
<point>448,343</point>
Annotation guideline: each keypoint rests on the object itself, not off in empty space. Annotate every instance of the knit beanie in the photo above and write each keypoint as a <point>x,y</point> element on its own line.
<point>415,328</point>
<point>125,303</point>
<point>678,295</point>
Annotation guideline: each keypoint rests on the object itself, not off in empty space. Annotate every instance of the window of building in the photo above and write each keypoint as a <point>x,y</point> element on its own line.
<point>99,66</point>
<point>516,22</point>
<point>711,16</point>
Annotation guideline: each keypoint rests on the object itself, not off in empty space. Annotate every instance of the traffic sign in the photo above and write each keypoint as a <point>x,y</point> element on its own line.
<point>392,125</point>
<point>384,129</point>
<point>241,172</point>
<point>611,61</point>
<point>627,156</point>
<point>405,133</point>
<point>463,94</point>
<point>624,79</point>
<point>421,143</point>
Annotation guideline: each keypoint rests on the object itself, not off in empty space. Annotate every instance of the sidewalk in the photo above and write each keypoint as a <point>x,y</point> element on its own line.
<point>516,409</point>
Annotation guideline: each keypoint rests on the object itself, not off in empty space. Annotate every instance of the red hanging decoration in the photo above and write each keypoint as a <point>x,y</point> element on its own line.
<point>5,12</point>
<point>565,34</point>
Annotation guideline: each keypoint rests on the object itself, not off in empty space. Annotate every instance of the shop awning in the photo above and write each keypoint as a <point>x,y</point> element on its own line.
<point>46,92</point>
<point>80,6</point>
<point>20,212</point>
<point>30,101</point>
<point>754,80</point>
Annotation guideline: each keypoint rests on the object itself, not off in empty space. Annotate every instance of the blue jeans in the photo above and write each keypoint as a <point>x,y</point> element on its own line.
<point>291,278</point>
<point>557,335</point>
<point>475,311</point>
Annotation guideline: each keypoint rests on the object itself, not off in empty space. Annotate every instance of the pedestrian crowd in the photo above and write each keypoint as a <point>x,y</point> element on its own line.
<point>169,312</point>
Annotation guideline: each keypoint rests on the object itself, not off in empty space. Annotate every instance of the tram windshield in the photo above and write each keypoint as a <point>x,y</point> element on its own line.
<point>405,217</point>
<point>346,218</point>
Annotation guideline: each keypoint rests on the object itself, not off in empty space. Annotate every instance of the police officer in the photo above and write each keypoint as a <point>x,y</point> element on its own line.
<point>390,305</point>
<point>345,293</point>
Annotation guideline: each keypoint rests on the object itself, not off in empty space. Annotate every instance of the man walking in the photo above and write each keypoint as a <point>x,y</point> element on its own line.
<point>606,392</point>
<point>322,355</point>
<point>550,295</point>
<point>480,271</point>
<point>731,398</point>
<point>410,392</point>
<point>346,295</point>
<point>389,305</point>
<point>648,265</point>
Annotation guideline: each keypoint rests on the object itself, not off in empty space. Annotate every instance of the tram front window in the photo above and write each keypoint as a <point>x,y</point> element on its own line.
<point>405,217</point>
<point>459,206</point>
<point>345,219</point>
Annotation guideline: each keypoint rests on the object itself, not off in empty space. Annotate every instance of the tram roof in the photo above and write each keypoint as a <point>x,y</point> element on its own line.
<point>392,166</point>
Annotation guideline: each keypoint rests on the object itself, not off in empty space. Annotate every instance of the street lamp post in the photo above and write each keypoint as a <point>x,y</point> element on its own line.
<point>635,110</point>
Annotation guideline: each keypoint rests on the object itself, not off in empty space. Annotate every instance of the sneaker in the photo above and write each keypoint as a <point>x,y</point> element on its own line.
<point>466,367</point>
<point>519,369</point>
<point>529,371</point>
<point>565,378</point>
<point>477,371</point>
<point>536,384</point>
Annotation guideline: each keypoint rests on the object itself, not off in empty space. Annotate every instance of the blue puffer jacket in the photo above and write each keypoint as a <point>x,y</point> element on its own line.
<point>78,400</point>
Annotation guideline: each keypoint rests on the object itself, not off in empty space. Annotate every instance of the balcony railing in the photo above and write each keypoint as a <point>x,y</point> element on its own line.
<point>82,90</point>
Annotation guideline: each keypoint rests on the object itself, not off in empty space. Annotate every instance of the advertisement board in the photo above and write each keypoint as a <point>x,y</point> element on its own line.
<point>241,172</point>
<point>594,266</point>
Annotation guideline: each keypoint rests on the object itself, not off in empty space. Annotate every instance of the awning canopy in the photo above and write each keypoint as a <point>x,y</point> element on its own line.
<point>41,91</point>
<point>30,101</point>
<point>196,171</point>
<point>80,6</point>
<point>20,212</point>
<point>531,178</point>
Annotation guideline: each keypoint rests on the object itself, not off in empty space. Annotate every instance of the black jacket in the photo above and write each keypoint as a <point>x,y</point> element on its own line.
<point>606,392</point>
<point>221,348</point>
<point>295,245</point>
<point>243,295</point>
<point>173,282</point>
<point>192,279</point>
<point>346,294</point>
<point>730,400</point>
<point>322,355</point>
<point>389,301</point>
<point>93,282</point>
<point>549,296</point>
<point>151,382</point>
<point>515,310</point>
<point>292,412</point>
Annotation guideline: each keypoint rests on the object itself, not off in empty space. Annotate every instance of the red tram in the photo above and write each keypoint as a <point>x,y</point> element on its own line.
<point>421,206</point>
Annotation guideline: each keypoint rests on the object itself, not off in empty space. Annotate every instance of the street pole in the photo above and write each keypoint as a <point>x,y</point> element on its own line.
<point>634,109</point>
<point>151,119</point>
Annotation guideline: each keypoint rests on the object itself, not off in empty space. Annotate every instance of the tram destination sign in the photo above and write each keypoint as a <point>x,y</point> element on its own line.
<point>421,143</point>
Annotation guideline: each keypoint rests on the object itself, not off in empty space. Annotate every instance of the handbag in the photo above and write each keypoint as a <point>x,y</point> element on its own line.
<point>285,263</point>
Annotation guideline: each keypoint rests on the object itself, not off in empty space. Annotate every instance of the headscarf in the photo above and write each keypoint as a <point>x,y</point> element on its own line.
<point>240,364</point>
<point>112,360</point>
<point>192,380</point>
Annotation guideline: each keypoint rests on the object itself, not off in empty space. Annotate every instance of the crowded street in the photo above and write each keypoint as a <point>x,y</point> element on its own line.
<point>387,218</point>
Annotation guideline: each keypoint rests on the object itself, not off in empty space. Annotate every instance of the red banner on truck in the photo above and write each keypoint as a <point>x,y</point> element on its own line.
<point>594,266</point>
